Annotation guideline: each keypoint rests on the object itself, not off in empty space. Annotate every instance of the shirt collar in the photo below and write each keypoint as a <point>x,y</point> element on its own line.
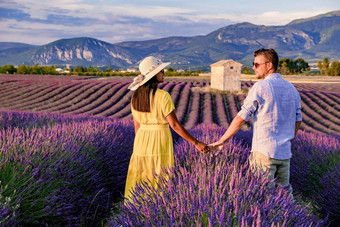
<point>273,76</point>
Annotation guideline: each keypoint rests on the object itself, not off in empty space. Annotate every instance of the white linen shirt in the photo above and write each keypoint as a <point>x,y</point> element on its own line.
<point>275,105</point>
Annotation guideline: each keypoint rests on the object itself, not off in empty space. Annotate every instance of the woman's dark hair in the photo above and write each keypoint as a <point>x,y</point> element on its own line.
<point>270,55</point>
<point>141,97</point>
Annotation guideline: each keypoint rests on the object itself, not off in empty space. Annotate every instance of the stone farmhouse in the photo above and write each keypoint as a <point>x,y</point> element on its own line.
<point>226,75</point>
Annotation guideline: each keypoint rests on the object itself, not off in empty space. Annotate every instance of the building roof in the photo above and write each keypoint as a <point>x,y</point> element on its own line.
<point>224,62</point>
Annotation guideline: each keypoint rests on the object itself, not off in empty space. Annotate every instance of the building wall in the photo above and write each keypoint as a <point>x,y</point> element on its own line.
<point>232,76</point>
<point>217,77</point>
<point>227,77</point>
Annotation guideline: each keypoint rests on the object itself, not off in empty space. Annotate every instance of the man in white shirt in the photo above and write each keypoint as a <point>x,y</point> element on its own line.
<point>275,105</point>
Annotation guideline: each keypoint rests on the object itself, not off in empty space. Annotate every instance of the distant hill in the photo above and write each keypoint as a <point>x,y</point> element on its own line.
<point>10,45</point>
<point>9,49</point>
<point>310,38</point>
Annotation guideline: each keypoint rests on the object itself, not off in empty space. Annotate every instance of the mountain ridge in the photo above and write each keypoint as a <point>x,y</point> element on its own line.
<point>310,38</point>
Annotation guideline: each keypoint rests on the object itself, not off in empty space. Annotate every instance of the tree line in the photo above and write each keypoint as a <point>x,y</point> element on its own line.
<point>52,70</point>
<point>83,71</point>
<point>326,68</point>
<point>287,66</point>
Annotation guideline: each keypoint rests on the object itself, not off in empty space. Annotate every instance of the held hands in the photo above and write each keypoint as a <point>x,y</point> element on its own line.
<point>216,147</point>
<point>202,147</point>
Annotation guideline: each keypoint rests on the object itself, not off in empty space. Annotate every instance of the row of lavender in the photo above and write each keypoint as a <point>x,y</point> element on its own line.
<point>220,189</point>
<point>57,170</point>
<point>71,170</point>
<point>194,105</point>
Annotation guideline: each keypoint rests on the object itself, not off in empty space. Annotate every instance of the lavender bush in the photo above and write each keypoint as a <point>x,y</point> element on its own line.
<point>207,112</point>
<point>194,112</point>
<point>109,97</point>
<point>212,190</point>
<point>315,173</point>
<point>222,114</point>
<point>71,170</point>
<point>108,100</point>
<point>183,103</point>
<point>175,93</point>
<point>8,207</point>
<point>64,170</point>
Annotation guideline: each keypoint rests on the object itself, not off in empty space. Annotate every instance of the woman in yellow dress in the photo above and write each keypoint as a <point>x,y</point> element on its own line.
<point>153,111</point>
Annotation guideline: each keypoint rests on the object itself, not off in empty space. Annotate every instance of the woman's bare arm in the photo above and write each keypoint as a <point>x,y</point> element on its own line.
<point>180,130</point>
<point>136,124</point>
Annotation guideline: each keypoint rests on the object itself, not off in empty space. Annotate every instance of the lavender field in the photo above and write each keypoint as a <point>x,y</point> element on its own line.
<point>109,97</point>
<point>65,144</point>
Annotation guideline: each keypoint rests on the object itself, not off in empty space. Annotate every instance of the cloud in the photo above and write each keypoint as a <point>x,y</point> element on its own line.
<point>40,22</point>
<point>79,9</point>
<point>41,9</point>
<point>112,23</point>
<point>266,18</point>
<point>281,18</point>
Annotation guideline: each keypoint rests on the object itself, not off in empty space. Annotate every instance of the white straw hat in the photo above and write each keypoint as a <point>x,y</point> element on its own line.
<point>148,68</point>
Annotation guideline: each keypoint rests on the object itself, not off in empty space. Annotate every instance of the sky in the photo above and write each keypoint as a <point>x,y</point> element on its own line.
<point>40,22</point>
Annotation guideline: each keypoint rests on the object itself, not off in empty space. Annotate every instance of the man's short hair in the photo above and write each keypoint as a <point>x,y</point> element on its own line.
<point>270,55</point>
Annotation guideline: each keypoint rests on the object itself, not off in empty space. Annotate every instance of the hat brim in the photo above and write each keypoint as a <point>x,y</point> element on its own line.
<point>154,72</point>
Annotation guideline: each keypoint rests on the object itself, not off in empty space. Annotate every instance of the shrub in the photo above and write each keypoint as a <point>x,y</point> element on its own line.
<point>63,170</point>
<point>315,173</point>
<point>212,190</point>
<point>71,170</point>
<point>8,207</point>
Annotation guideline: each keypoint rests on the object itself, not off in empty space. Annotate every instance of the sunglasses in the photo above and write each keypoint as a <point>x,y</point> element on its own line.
<point>162,71</point>
<point>256,65</point>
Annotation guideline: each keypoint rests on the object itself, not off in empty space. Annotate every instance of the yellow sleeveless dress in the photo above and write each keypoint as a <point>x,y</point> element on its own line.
<point>153,145</point>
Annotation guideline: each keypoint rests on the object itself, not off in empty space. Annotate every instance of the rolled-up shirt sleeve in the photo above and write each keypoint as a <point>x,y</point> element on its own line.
<point>298,108</point>
<point>250,104</point>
